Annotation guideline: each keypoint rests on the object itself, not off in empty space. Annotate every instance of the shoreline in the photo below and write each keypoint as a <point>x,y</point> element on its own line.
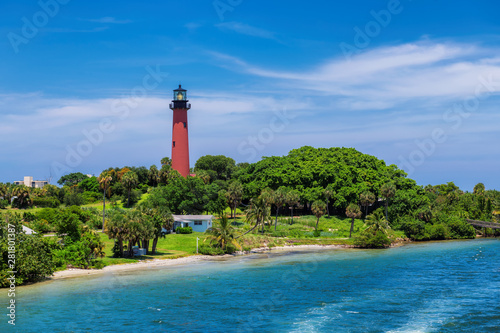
<point>192,259</point>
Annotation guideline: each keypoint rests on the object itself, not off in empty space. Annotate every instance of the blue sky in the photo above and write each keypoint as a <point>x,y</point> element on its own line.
<point>86,86</point>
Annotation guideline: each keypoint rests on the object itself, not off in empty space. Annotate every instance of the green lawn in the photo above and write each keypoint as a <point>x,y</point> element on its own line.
<point>171,247</point>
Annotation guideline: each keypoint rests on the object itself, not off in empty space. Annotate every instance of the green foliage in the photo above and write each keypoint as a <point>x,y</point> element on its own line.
<point>207,249</point>
<point>135,196</point>
<point>459,229</point>
<point>33,257</point>
<point>73,198</point>
<point>217,167</point>
<point>279,233</point>
<point>46,202</point>
<point>89,184</point>
<point>91,197</point>
<point>185,230</point>
<point>71,179</point>
<point>222,234</point>
<point>369,240</point>
<point>310,171</point>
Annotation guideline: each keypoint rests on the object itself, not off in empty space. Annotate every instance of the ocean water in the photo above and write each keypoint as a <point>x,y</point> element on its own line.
<point>449,286</point>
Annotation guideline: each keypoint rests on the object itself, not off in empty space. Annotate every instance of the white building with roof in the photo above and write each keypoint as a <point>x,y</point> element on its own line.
<point>199,223</point>
<point>29,182</point>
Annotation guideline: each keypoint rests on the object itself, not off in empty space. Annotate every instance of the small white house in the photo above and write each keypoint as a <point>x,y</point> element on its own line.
<point>199,223</point>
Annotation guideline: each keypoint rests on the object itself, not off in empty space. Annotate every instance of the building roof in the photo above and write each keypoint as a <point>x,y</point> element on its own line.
<point>28,231</point>
<point>187,218</point>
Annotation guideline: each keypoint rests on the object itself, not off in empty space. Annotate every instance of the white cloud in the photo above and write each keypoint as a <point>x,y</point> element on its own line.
<point>246,29</point>
<point>107,19</point>
<point>388,76</point>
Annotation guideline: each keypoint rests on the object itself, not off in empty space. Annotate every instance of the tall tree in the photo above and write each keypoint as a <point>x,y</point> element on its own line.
<point>279,199</point>
<point>234,195</point>
<point>366,199</point>
<point>319,209</point>
<point>71,179</point>
<point>258,213</point>
<point>388,190</point>
<point>479,189</point>
<point>105,180</point>
<point>129,181</point>
<point>353,212</point>
<point>154,175</point>
<point>329,193</point>
<point>22,195</point>
<point>116,228</point>
<point>292,199</point>
<point>218,167</point>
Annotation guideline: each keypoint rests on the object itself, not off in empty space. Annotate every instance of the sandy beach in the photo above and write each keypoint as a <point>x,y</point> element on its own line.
<point>157,263</point>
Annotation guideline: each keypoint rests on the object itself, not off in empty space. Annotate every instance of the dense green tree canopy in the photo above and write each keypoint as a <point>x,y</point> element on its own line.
<point>217,167</point>
<point>310,170</point>
<point>72,179</point>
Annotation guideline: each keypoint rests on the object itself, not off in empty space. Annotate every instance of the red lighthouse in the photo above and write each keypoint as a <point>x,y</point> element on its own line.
<point>180,145</point>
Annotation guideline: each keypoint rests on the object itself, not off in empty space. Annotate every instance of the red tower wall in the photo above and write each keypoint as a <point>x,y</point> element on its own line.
<point>180,144</point>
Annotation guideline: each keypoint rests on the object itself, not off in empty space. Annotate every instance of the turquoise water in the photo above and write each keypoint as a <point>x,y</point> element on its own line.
<point>423,287</point>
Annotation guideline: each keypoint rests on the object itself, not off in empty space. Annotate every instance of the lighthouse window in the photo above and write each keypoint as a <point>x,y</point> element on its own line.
<point>173,143</point>
<point>185,124</point>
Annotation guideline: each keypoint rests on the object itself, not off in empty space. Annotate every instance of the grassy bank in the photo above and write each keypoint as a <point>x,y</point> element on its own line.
<point>334,231</point>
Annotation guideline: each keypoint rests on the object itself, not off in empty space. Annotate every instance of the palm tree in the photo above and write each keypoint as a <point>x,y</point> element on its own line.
<point>160,217</point>
<point>129,181</point>
<point>154,175</point>
<point>292,199</point>
<point>318,208</point>
<point>22,193</point>
<point>116,228</point>
<point>366,198</point>
<point>4,190</point>
<point>376,222</point>
<point>166,161</point>
<point>104,182</point>
<point>352,212</point>
<point>279,199</point>
<point>388,190</point>
<point>222,233</point>
<point>329,193</point>
<point>257,212</point>
<point>234,195</point>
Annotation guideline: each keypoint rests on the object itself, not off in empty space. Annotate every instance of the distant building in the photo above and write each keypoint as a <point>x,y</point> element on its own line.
<point>199,223</point>
<point>28,181</point>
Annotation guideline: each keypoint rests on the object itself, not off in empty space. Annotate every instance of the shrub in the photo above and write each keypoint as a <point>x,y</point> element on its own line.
<point>42,226</point>
<point>279,233</point>
<point>367,240</point>
<point>73,199</point>
<point>437,231</point>
<point>210,250</point>
<point>214,251</point>
<point>460,229</point>
<point>296,233</point>
<point>91,197</point>
<point>3,203</point>
<point>49,202</point>
<point>186,230</point>
<point>48,214</point>
<point>414,229</point>
<point>29,217</point>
